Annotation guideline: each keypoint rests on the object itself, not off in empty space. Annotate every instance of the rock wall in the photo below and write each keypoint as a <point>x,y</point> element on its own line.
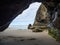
<point>48,14</point>
<point>41,19</point>
<point>41,16</point>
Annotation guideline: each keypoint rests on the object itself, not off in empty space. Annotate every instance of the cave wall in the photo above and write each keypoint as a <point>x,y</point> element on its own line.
<point>41,16</point>
<point>51,10</point>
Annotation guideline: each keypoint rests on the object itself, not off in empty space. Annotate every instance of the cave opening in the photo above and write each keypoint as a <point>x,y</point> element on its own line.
<point>27,17</point>
<point>15,34</point>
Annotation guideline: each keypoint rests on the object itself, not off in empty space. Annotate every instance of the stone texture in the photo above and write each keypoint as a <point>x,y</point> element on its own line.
<point>41,19</point>
<point>52,8</point>
<point>41,16</point>
<point>46,14</point>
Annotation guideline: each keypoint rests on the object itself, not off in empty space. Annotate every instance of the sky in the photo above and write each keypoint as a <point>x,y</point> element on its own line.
<point>27,16</point>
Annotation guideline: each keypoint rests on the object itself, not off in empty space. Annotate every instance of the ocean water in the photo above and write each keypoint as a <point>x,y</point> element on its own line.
<point>18,27</point>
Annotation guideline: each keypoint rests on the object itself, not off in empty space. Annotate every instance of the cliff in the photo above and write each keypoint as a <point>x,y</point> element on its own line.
<point>48,17</point>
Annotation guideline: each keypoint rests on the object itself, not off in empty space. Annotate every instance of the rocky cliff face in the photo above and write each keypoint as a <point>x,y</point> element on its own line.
<point>53,11</point>
<point>57,21</point>
<point>48,14</point>
<point>41,19</point>
<point>41,16</point>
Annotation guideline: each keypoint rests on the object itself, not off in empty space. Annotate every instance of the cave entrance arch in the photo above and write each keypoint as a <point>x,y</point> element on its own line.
<point>27,17</point>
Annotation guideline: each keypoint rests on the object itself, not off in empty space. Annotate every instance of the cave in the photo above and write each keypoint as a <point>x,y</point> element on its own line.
<point>48,14</point>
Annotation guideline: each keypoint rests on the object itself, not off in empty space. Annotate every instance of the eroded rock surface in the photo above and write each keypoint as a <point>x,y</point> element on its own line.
<point>41,19</point>
<point>48,15</point>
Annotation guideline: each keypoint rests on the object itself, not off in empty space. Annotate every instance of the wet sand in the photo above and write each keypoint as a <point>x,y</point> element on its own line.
<point>26,37</point>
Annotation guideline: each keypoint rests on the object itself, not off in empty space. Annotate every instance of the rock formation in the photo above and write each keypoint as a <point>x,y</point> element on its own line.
<point>41,19</point>
<point>49,14</point>
<point>41,16</point>
<point>29,26</point>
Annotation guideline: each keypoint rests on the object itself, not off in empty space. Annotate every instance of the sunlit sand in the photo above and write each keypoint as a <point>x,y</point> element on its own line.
<point>26,37</point>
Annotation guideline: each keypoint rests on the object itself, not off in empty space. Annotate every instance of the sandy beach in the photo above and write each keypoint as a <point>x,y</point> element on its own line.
<point>26,37</point>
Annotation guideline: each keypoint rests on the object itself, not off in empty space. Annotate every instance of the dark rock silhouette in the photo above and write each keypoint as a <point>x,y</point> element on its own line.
<point>29,26</point>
